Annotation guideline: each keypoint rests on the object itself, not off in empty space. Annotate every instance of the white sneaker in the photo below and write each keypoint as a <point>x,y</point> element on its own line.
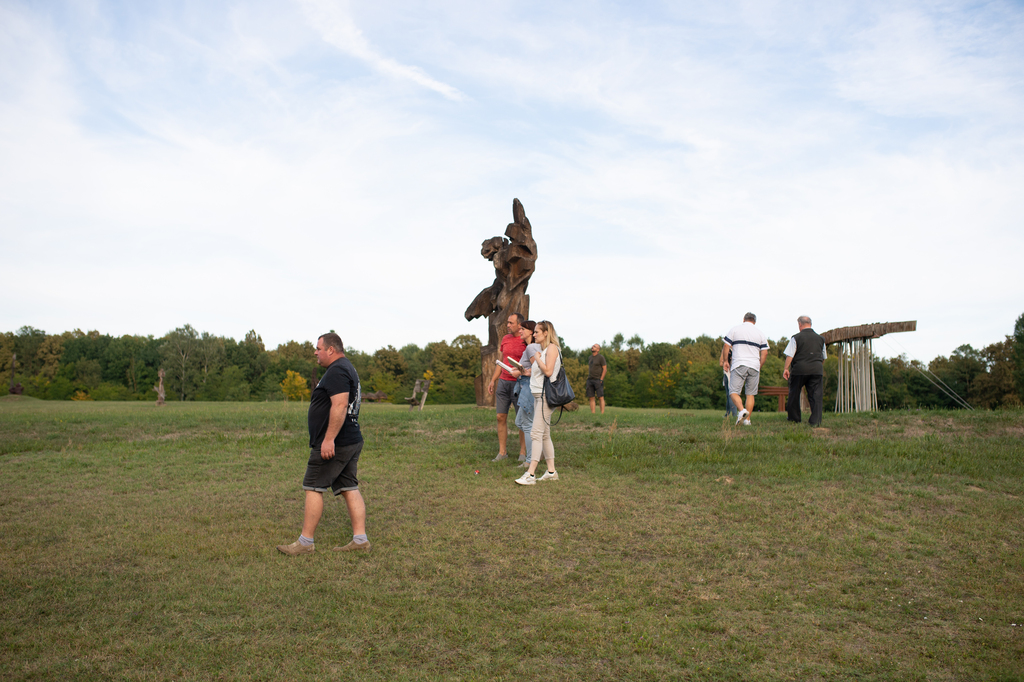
<point>741,416</point>
<point>746,422</point>
<point>526,479</point>
<point>549,476</point>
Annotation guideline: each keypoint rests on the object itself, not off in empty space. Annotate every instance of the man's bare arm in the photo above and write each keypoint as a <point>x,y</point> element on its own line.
<point>339,411</point>
<point>494,379</point>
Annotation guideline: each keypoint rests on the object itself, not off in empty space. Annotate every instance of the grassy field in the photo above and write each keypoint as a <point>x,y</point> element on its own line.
<point>137,543</point>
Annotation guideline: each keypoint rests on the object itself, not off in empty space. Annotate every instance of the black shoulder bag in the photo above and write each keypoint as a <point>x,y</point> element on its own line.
<point>557,391</point>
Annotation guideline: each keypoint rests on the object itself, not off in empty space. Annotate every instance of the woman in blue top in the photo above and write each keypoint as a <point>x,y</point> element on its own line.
<point>524,406</point>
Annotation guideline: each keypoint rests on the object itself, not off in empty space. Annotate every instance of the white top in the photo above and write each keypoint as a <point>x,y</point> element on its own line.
<point>747,342</point>
<point>537,376</point>
<point>791,349</point>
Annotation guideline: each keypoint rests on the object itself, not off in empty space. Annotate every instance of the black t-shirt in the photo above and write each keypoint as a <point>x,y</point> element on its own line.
<point>340,377</point>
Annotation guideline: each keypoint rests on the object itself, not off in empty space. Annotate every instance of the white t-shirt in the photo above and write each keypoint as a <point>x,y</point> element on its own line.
<point>537,376</point>
<point>747,342</point>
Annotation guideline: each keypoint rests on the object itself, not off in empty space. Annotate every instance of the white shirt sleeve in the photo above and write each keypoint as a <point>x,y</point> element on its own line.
<point>790,348</point>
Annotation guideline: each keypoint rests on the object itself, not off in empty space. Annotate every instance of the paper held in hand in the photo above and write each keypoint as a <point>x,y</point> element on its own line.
<point>505,367</point>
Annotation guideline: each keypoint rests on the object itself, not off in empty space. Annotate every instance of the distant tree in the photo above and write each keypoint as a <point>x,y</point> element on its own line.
<point>455,367</point>
<point>26,345</point>
<point>251,357</point>
<point>48,355</point>
<point>390,361</point>
<point>700,387</point>
<point>210,356</point>
<point>1018,356</point>
<point>295,387</point>
<point>996,387</point>
<point>6,359</point>
<point>88,374</point>
<point>293,350</point>
<point>416,359</point>
<point>179,353</point>
<point>576,372</point>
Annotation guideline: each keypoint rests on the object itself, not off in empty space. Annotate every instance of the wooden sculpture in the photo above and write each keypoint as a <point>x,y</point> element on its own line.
<point>514,257</point>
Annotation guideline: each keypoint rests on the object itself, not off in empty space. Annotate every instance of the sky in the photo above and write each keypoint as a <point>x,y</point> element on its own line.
<point>296,167</point>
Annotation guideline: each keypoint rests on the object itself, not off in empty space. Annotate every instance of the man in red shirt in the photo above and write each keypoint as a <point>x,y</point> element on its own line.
<point>511,346</point>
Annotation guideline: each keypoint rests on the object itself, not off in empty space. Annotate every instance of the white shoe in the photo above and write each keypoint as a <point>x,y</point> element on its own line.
<point>549,476</point>
<point>746,422</point>
<point>526,479</point>
<point>741,416</point>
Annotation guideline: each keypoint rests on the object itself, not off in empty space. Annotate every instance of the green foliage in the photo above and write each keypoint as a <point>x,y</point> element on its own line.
<point>295,387</point>
<point>1018,357</point>
<point>701,387</point>
<point>202,366</point>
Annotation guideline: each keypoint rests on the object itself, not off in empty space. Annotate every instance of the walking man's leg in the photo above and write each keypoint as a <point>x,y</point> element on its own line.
<point>793,413</point>
<point>356,510</point>
<point>502,434</point>
<point>314,510</point>
<point>815,389</point>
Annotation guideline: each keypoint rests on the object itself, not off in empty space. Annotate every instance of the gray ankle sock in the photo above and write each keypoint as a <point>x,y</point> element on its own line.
<point>359,539</point>
<point>304,541</point>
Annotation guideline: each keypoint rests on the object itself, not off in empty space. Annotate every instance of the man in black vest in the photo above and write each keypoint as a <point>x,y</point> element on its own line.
<point>805,354</point>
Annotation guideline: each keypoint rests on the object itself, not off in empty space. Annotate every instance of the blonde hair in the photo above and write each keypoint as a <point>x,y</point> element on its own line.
<point>550,335</point>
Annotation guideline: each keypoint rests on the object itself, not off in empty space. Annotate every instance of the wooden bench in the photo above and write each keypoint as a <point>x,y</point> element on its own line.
<point>781,391</point>
<point>421,387</point>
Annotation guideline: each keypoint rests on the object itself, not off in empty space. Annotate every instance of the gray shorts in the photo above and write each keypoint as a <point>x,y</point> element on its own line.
<point>743,377</point>
<point>503,395</point>
<point>337,473</point>
<point>595,388</point>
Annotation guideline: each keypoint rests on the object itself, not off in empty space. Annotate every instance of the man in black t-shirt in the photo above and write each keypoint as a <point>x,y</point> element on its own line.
<point>335,443</point>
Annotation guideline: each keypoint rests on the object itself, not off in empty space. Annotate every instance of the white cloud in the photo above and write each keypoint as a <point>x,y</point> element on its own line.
<point>334,21</point>
<point>231,170</point>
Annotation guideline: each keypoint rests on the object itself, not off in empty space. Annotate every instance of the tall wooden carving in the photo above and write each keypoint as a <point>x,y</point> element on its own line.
<point>159,388</point>
<point>514,257</point>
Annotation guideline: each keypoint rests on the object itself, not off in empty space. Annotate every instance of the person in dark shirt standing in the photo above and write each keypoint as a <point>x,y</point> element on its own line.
<point>335,443</point>
<point>597,367</point>
<point>805,366</point>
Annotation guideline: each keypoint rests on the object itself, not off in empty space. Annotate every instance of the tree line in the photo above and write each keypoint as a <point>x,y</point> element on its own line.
<point>81,365</point>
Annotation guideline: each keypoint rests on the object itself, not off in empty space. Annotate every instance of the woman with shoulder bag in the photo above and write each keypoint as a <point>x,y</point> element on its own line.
<point>546,363</point>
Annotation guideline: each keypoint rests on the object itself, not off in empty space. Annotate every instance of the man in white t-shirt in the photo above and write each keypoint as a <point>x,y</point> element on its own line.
<point>749,348</point>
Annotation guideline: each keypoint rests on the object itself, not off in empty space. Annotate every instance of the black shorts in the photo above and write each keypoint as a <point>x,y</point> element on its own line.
<point>337,473</point>
<point>595,388</point>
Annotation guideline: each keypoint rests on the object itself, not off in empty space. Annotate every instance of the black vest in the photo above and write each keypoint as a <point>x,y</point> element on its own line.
<point>807,359</point>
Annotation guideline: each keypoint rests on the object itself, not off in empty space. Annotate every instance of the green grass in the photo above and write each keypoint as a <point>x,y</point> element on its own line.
<point>137,543</point>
